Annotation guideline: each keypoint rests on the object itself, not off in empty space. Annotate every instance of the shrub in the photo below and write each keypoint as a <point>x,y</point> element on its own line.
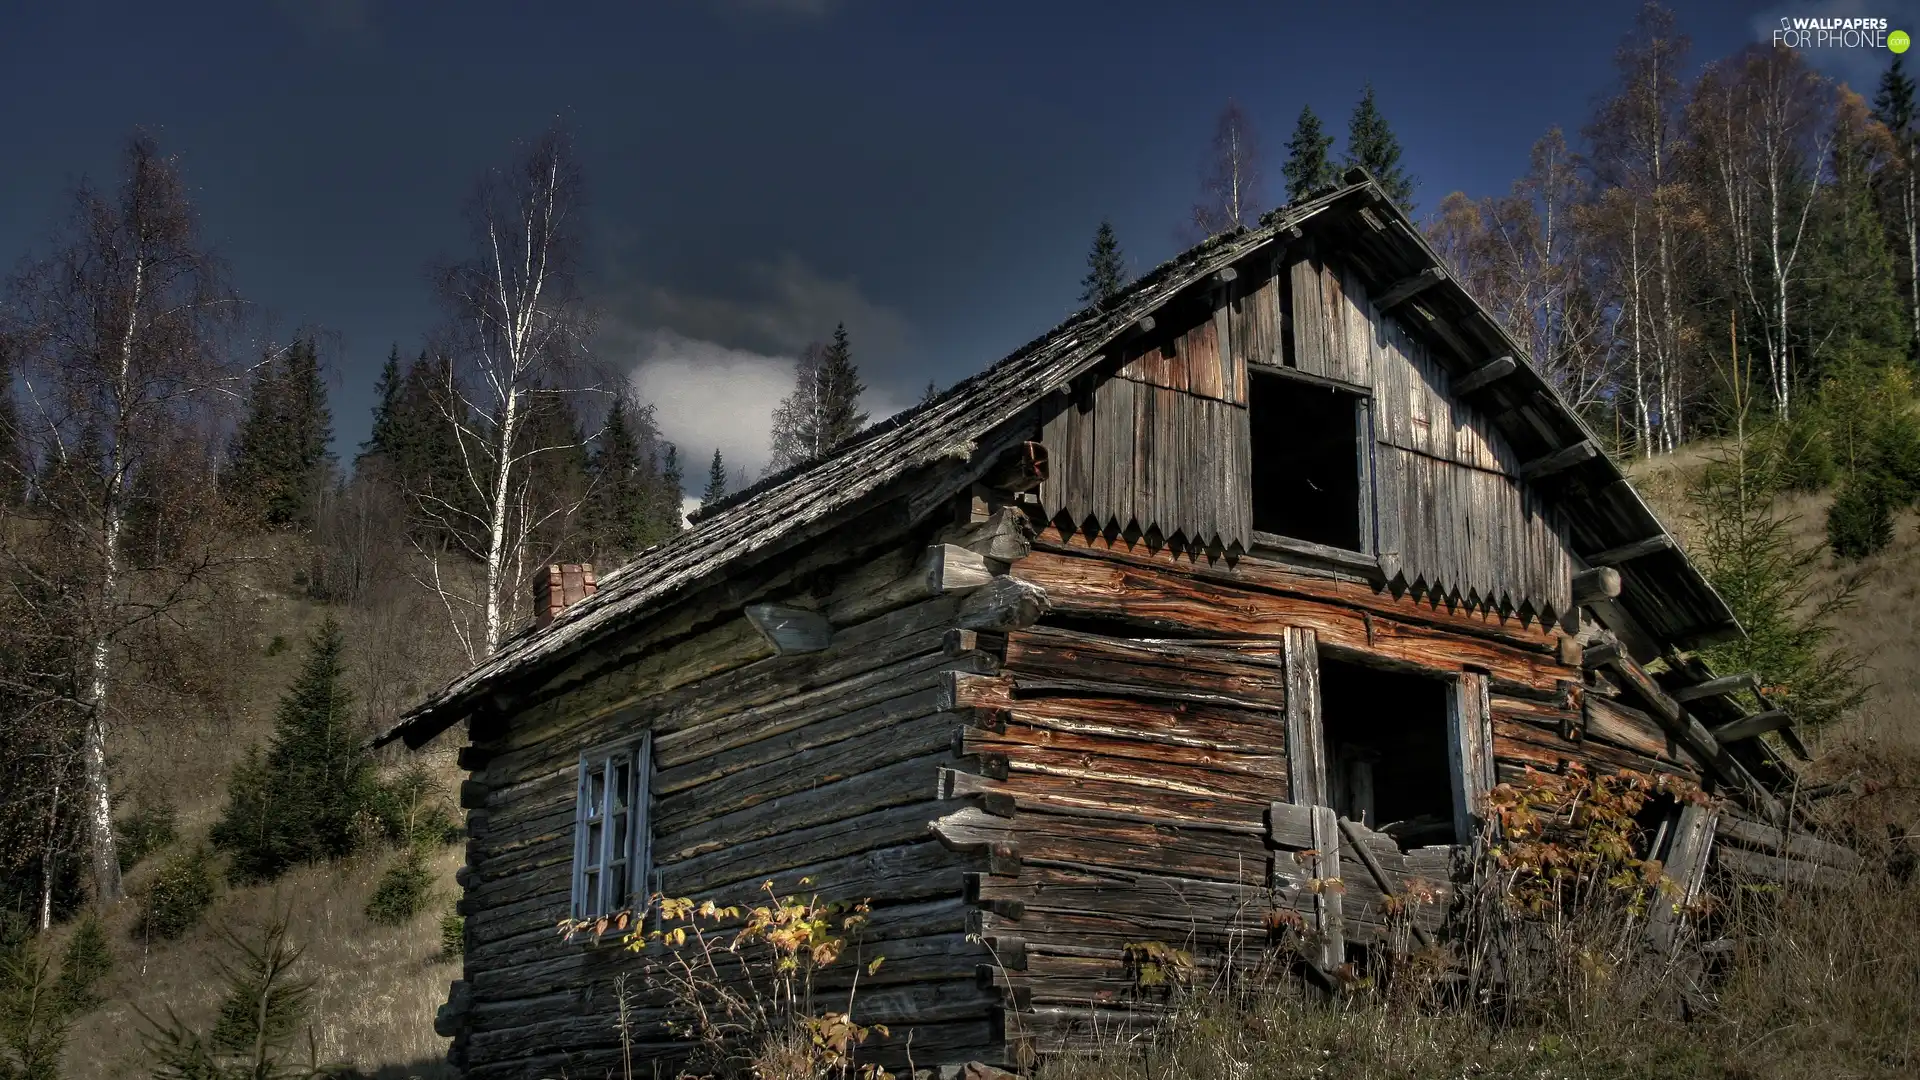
<point>252,1037</point>
<point>33,1019</point>
<point>179,894</point>
<point>278,645</point>
<point>412,807</point>
<point>1803,452</point>
<point>453,933</point>
<point>87,960</point>
<point>301,799</point>
<point>149,828</point>
<point>1860,521</point>
<point>403,890</point>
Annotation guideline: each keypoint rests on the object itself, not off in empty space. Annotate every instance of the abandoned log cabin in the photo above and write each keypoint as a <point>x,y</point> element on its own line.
<point>1285,551</point>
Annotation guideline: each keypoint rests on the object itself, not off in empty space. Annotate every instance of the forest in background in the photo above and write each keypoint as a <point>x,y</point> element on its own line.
<point>1724,258</point>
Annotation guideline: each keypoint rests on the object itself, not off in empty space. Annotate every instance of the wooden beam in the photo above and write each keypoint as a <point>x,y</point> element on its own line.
<point>1145,325</point>
<point>952,568</point>
<point>1726,684</point>
<point>1484,376</point>
<point>1223,276</point>
<point>1409,287</point>
<point>1686,866</point>
<point>1560,460</point>
<point>1748,726</point>
<point>790,630</point>
<point>1599,583</point>
<point>1019,468</point>
<point>1694,736</point>
<point>1306,746</point>
<point>1793,845</point>
<point>1629,552</point>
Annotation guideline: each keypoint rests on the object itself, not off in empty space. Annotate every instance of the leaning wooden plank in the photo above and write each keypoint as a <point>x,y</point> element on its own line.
<point>1614,556</point>
<point>1686,867</point>
<point>1358,846</point>
<point>1328,909</point>
<point>1720,687</point>
<point>1470,753</point>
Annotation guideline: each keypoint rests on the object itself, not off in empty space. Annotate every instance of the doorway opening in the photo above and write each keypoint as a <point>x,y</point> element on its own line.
<point>1388,765</point>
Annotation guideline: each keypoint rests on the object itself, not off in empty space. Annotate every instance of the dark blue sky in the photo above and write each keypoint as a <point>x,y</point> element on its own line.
<point>759,169</point>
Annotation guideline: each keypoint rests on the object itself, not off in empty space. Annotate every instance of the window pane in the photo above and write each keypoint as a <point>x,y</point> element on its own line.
<point>621,838</point>
<point>596,790</point>
<point>622,784</point>
<point>593,853</point>
<point>617,880</point>
<point>590,894</point>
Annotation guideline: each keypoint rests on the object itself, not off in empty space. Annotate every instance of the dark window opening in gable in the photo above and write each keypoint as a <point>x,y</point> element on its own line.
<point>1387,759</point>
<point>1306,461</point>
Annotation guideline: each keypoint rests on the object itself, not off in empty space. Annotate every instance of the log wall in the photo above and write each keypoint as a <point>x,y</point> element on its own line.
<point>824,765</point>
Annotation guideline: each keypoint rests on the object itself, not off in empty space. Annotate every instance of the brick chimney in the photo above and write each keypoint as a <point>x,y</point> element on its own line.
<point>559,586</point>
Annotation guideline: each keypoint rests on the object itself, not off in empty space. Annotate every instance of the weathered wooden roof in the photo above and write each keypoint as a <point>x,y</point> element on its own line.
<point>940,447</point>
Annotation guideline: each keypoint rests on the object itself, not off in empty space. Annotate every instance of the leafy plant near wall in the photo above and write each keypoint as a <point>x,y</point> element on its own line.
<point>740,981</point>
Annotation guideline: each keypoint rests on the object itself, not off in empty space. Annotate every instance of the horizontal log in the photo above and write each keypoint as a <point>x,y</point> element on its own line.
<point>791,630</point>
<point>1559,461</point>
<point>1720,687</point>
<point>1171,602</point>
<point>1592,586</point>
<point>1003,604</point>
<point>1127,793</point>
<point>1624,726</point>
<point>1614,556</point>
<point>1005,535</point>
<point>862,720</point>
<point>1409,287</point>
<point>1749,726</point>
<point>1064,654</point>
<point>1151,725</point>
<point>1774,868</point>
<point>1123,847</point>
<point>1792,844</point>
<point>1018,738</point>
<point>1484,376</point>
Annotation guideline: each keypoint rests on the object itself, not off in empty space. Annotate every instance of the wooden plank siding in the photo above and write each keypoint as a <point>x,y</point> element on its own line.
<point>1158,448</point>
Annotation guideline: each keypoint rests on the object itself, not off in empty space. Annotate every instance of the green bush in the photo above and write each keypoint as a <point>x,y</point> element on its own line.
<point>33,1018</point>
<point>1802,452</point>
<point>1860,521</point>
<point>278,645</point>
<point>403,890</point>
<point>179,894</point>
<point>1896,455</point>
<point>453,933</point>
<point>148,829</point>
<point>412,808</point>
<point>87,960</point>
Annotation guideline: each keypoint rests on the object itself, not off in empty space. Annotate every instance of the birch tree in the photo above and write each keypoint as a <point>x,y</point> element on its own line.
<point>517,327</point>
<point>120,383</point>
<point>1638,136</point>
<point>824,407</point>
<point>1231,185</point>
<point>1762,122</point>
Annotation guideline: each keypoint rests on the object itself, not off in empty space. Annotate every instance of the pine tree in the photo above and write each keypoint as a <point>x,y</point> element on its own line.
<point>1372,145</point>
<point>668,516</point>
<point>279,457</point>
<point>1106,271</point>
<point>384,437</point>
<point>824,407</point>
<point>1307,168</point>
<point>299,801</point>
<point>930,394</point>
<point>1853,308</point>
<point>619,504</point>
<point>254,1035</point>
<point>716,488</point>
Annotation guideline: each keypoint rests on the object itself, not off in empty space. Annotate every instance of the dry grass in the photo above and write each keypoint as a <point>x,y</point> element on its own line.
<point>377,987</point>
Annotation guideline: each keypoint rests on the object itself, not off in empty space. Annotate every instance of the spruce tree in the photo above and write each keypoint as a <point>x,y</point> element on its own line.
<point>1853,307</point>
<point>299,801</point>
<point>1308,168</point>
<point>619,495</point>
<point>1106,270</point>
<point>824,407</point>
<point>668,518</point>
<point>716,488</point>
<point>279,454</point>
<point>930,394</point>
<point>384,438</point>
<point>1372,145</point>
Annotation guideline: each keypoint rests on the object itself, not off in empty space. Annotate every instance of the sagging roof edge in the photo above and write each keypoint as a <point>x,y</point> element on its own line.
<point>623,594</point>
